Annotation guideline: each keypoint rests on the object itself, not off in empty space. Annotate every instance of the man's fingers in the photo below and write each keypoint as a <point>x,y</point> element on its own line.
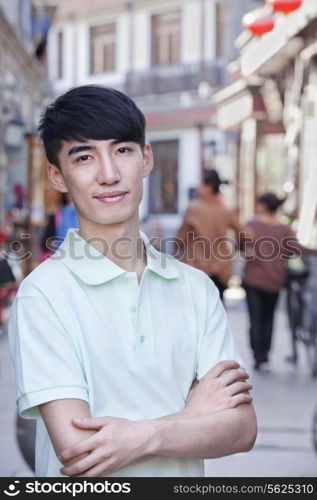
<point>78,449</point>
<point>234,376</point>
<point>240,399</point>
<point>238,387</point>
<point>97,471</point>
<point>90,422</point>
<point>221,367</point>
<point>82,465</point>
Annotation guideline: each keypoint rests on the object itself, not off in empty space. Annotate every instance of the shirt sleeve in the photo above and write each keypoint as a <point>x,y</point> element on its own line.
<point>217,343</point>
<point>46,364</point>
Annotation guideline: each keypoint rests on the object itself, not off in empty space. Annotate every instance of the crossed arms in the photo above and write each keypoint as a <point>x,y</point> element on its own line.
<point>218,420</point>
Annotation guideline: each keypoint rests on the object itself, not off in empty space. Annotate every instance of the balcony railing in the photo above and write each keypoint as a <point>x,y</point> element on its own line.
<point>168,79</point>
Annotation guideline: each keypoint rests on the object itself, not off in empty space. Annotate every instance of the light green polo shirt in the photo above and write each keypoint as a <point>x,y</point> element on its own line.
<point>82,327</point>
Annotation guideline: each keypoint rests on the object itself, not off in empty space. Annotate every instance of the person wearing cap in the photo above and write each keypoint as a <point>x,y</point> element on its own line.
<point>202,240</point>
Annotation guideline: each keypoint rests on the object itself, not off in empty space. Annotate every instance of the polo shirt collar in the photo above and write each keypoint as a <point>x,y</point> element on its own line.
<point>160,263</point>
<point>93,268</point>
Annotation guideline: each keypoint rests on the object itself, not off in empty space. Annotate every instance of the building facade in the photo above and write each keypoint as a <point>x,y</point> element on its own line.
<point>170,57</point>
<point>275,79</point>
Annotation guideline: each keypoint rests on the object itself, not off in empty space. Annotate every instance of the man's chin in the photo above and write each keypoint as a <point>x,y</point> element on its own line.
<point>110,221</point>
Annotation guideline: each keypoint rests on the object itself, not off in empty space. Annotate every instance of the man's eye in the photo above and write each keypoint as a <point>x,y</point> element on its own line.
<point>124,150</point>
<point>83,158</point>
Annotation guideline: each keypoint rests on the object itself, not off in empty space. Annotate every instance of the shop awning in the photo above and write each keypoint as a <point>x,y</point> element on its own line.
<point>238,102</point>
<point>180,117</point>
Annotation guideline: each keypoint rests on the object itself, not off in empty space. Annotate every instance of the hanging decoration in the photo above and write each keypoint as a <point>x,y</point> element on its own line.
<point>285,6</point>
<point>258,26</point>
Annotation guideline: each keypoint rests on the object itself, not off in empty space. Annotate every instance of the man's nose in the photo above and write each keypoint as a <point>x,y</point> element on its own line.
<point>108,172</point>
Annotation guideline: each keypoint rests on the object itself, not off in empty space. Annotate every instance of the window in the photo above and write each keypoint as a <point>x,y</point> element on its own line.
<point>166,38</point>
<point>60,50</point>
<point>102,48</point>
<point>163,179</point>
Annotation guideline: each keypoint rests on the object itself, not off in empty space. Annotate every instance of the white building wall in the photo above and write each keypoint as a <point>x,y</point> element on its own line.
<point>82,53</point>
<point>52,54</point>
<point>70,58</point>
<point>142,40</point>
<point>189,166</point>
<point>191,33</point>
<point>123,44</point>
<point>210,30</point>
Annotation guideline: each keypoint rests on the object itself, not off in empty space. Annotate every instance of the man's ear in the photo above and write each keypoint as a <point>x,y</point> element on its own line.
<point>148,160</point>
<point>56,178</point>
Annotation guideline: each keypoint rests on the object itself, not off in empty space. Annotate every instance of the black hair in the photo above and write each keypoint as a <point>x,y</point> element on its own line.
<point>64,199</point>
<point>90,112</point>
<point>211,178</point>
<point>271,201</point>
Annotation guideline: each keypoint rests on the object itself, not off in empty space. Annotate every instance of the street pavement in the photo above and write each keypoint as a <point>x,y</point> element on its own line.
<point>285,398</point>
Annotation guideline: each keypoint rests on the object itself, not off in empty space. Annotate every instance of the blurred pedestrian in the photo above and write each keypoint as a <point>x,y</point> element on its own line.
<point>264,273</point>
<point>202,240</point>
<point>66,218</point>
<point>57,226</point>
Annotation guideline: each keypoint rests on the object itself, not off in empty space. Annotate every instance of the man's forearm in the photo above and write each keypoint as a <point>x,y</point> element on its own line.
<point>209,436</point>
<point>218,419</point>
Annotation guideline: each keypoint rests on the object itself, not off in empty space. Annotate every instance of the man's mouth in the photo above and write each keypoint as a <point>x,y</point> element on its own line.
<point>111,197</point>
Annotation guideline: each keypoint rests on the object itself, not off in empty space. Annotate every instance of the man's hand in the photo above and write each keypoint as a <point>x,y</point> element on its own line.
<point>118,443</point>
<point>224,386</point>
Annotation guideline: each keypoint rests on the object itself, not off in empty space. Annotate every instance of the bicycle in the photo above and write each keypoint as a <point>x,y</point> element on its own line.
<point>302,309</point>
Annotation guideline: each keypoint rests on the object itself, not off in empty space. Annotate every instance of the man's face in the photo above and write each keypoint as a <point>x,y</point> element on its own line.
<point>103,178</point>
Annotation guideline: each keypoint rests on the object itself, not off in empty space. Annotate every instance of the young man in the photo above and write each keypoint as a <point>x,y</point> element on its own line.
<point>113,332</point>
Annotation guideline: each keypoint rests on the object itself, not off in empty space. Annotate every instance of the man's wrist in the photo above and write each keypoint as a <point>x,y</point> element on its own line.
<point>149,440</point>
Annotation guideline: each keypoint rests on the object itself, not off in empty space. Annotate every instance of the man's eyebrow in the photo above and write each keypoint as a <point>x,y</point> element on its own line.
<point>114,142</point>
<point>82,147</point>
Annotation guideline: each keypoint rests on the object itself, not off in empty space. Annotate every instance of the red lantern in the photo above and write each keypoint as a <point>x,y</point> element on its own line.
<point>285,6</point>
<point>258,25</point>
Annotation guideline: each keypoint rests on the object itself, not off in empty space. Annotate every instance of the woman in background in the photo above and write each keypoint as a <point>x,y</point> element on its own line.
<point>264,273</point>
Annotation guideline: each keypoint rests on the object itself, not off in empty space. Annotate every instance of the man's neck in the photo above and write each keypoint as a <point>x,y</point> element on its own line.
<point>121,244</point>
